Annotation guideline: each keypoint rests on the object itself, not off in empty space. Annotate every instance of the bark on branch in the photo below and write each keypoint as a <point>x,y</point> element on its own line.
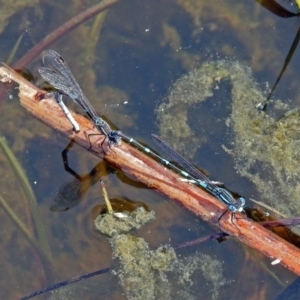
<point>155,175</point>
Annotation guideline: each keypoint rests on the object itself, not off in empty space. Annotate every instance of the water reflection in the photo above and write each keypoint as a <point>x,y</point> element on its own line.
<point>74,191</point>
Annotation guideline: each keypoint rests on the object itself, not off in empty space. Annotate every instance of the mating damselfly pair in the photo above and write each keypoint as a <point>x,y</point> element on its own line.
<point>57,73</point>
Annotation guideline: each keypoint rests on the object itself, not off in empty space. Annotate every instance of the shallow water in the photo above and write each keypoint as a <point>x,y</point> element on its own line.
<point>127,68</point>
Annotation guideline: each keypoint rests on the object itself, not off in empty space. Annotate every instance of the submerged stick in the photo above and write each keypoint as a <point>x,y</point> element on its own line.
<point>155,175</point>
<point>62,30</point>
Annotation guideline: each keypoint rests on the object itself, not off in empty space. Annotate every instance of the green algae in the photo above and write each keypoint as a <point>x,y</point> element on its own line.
<point>265,150</point>
<point>155,274</point>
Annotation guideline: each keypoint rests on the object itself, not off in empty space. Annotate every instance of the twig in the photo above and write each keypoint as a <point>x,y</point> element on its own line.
<point>153,174</point>
<point>268,207</point>
<point>281,222</point>
<point>64,283</point>
<point>61,31</point>
<point>107,202</point>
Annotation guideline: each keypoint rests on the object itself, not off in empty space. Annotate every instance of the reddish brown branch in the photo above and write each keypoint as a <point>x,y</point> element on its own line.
<point>156,176</point>
<point>62,30</point>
